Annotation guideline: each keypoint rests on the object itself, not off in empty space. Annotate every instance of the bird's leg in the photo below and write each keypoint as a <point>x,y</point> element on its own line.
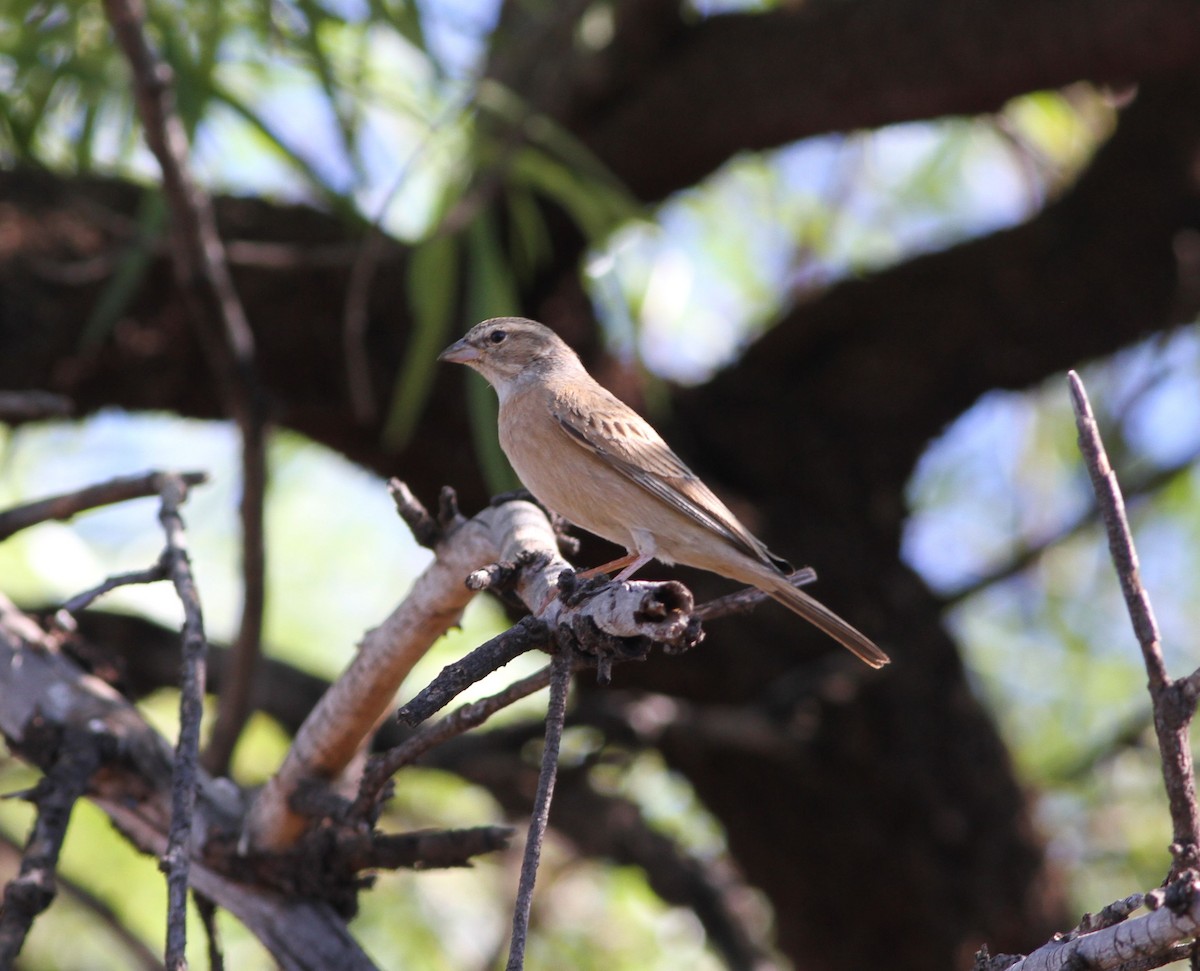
<point>606,568</point>
<point>635,564</point>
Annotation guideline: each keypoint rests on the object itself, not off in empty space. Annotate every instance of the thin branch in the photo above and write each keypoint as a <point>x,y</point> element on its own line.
<point>81,600</point>
<point>70,504</point>
<point>34,887</point>
<point>177,859</point>
<point>1035,551</point>
<point>424,850</point>
<point>139,953</point>
<point>528,634</point>
<point>560,681</point>
<point>1137,944</point>
<point>382,767</point>
<point>203,273</point>
<point>1173,710</point>
<point>16,406</point>
<point>744,601</point>
<point>208,917</point>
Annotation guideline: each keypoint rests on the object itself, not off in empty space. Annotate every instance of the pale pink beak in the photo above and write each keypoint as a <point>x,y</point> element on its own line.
<point>460,352</point>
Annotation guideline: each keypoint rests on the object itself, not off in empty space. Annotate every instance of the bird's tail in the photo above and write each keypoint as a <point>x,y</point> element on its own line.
<point>820,616</point>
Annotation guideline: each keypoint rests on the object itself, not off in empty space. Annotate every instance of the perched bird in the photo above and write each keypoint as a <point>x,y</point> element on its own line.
<point>591,458</point>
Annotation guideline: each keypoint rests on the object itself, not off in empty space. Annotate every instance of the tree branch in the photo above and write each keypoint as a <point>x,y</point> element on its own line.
<point>70,504</point>
<point>1172,710</point>
<point>184,783</point>
<point>836,67</point>
<point>203,274</point>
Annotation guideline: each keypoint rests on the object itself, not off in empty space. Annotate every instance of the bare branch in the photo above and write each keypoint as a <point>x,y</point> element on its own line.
<point>70,504</point>
<point>382,767</point>
<point>743,601</point>
<point>528,634</point>
<point>334,732</point>
<point>139,954</point>
<point>602,621</point>
<point>81,600</point>
<point>1173,709</point>
<point>34,887</point>
<point>203,274</point>
<point>424,850</point>
<point>18,406</point>
<point>184,782</point>
<point>1142,942</point>
<point>43,688</point>
<point>556,714</point>
<point>208,917</point>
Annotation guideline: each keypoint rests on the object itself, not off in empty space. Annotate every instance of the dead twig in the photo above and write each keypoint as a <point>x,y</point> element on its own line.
<point>70,504</point>
<point>203,273</point>
<point>31,891</point>
<point>381,767</point>
<point>177,858</point>
<point>556,714</point>
<point>1173,701</point>
<point>745,600</point>
<point>17,406</point>
<point>528,634</point>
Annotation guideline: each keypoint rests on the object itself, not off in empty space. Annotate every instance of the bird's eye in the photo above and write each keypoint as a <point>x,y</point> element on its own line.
<point>498,336</point>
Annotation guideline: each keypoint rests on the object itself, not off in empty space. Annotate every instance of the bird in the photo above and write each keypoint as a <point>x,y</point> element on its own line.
<point>588,456</point>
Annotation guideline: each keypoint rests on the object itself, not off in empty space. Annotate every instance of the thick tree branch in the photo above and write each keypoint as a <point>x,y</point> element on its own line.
<point>44,690</point>
<point>793,73</point>
<point>513,532</point>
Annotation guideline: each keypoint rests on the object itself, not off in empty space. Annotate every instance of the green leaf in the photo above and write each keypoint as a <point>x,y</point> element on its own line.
<point>491,292</point>
<point>127,279</point>
<point>529,239</point>
<point>432,289</point>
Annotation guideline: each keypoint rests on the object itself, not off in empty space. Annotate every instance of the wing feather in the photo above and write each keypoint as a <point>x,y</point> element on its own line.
<point>614,432</point>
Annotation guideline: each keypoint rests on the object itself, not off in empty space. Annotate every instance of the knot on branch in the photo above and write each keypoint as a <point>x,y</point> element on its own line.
<point>1178,895</point>
<point>427,530</point>
<point>503,578</point>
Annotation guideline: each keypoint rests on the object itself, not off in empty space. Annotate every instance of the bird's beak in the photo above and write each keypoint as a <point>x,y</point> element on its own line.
<point>460,352</point>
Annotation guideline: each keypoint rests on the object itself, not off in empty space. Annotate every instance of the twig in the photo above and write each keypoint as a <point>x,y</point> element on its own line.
<point>383,766</point>
<point>203,273</point>
<point>139,954</point>
<point>1173,706</point>
<point>426,530</point>
<point>208,917</point>
<point>1026,557</point>
<point>743,601</point>
<point>81,600</point>
<point>424,850</point>
<point>528,634</point>
<point>1136,944</point>
<point>355,318</point>
<point>177,858</point>
<point>55,795</point>
<point>70,504</point>
<point>556,713</point>
<point>31,405</point>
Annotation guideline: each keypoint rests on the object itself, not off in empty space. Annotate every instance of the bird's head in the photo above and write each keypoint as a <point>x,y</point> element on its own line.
<point>506,349</point>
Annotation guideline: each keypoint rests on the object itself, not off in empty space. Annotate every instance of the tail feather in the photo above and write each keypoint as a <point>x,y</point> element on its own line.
<point>820,616</point>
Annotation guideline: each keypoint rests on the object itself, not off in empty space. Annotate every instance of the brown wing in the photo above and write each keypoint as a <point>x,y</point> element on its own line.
<point>612,430</point>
